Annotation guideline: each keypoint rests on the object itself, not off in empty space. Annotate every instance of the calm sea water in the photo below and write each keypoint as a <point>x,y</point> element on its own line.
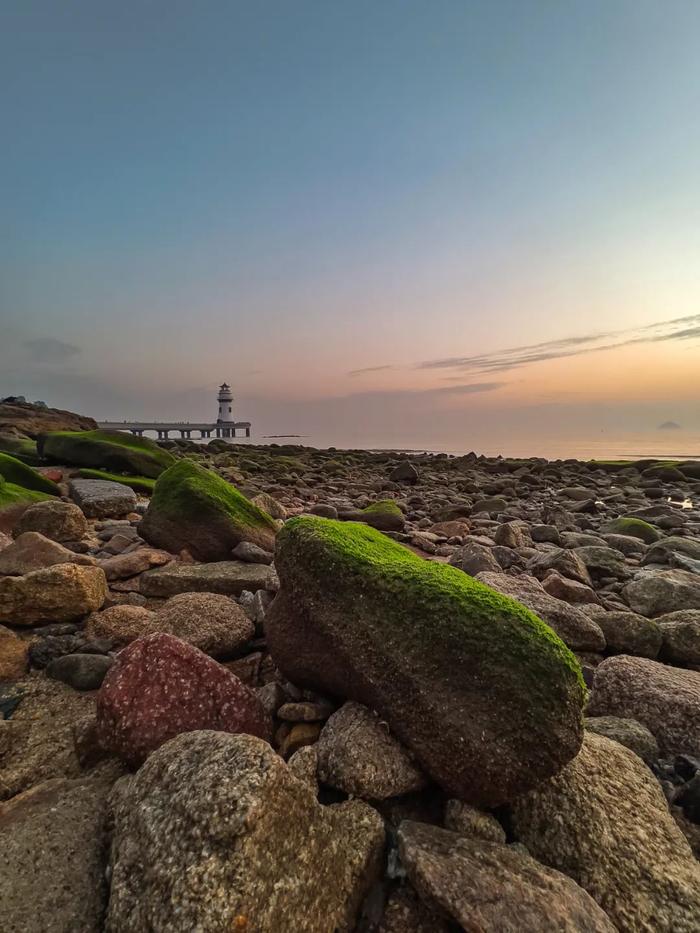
<point>657,444</point>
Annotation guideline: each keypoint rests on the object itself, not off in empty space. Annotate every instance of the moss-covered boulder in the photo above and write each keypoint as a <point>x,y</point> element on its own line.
<point>633,528</point>
<point>12,495</point>
<point>23,448</point>
<point>385,515</point>
<point>140,484</point>
<point>115,451</point>
<point>194,509</point>
<point>20,474</point>
<point>484,694</point>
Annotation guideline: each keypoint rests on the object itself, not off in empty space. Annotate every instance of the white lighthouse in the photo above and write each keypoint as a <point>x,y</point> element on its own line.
<point>225,400</point>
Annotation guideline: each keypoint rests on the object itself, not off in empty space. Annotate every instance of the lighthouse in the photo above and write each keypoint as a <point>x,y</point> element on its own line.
<point>225,400</point>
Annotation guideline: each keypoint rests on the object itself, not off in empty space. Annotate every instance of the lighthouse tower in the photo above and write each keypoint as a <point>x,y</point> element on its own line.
<point>225,400</point>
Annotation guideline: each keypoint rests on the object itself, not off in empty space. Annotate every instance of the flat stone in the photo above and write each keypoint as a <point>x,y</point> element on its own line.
<point>487,886</point>
<point>653,593</point>
<point>33,551</point>
<point>100,498</point>
<point>229,577</point>
<point>627,732</point>
<point>123,566</point>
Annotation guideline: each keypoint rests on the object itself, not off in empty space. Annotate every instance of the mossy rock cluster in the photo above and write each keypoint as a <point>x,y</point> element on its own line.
<point>16,472</point>
<point>138,483</point>
<point>196,510</point>
<point>12,495</point>
<point>114,451</point>
<point>484,694</point>
<point>633,528</point>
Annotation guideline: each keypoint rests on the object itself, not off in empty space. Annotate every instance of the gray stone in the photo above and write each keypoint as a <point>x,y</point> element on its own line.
<point>654,593</point>
<point>474,558</point>
<point>99,498</point>
<point>80,671</point>
<point>680,633</point>
<point>229,577</point>
<point>251,553</point>
<point>627,732</point>
<point>628,632</point>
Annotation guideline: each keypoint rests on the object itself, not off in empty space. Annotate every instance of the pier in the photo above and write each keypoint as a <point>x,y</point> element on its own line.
<point>222,427</point>
<point>186,428</point>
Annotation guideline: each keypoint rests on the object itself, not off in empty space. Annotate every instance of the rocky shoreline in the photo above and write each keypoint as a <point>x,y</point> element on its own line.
<point>268,688</point>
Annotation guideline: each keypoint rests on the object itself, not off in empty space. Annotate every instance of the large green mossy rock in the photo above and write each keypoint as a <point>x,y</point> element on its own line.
<point>115,451</point>
<point>484,694</point>
<point>195,509</point>
<point>23,448</point>
<point>633,528</point>
<point>12,495</point>
<point>14,471</point>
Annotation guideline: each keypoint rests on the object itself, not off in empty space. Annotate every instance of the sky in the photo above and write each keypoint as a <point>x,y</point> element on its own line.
<point>460,224</point>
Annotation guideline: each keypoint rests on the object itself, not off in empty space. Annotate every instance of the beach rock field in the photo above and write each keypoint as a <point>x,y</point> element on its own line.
<point>274,688</point>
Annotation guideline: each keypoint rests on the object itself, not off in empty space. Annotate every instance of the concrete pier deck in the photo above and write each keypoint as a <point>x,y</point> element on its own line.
<point>185,428</point>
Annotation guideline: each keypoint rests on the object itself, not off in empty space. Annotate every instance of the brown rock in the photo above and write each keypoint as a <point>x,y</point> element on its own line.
<point>57,520</point>
<point>13,655</point>
<point>33,551</point>
<point>222,814</point>
<point>468,821</point>
<point>605,822</point>
<point>119,624</point>
<point>123,566</point>
<point>210,621</point>
<point>487,886</point>
<point>358,755</point>
<point>59,593</point>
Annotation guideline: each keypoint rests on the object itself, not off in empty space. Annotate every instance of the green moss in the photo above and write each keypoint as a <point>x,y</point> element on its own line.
<point>633,528</point>
<point>10,495</point>
<point>137,483</point>
<point>23,448</point>
<point>115,451</point>
<point>20,474</point>
<point>188,490</point>
<point>443,603</point>
<point>384,507</point>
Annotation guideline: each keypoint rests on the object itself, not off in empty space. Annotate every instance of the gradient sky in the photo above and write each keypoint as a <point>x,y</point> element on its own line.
<point>364,216</point>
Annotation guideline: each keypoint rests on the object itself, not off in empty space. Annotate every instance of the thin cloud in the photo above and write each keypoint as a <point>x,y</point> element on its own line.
<point>515,357</point>
<point>50,350</point>
<point>369,369</point>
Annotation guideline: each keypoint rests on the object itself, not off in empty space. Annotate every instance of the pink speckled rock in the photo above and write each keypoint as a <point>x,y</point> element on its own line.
<point>159,687</point>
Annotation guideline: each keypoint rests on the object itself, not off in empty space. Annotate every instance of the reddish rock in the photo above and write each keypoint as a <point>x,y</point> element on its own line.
<point>160,687</point>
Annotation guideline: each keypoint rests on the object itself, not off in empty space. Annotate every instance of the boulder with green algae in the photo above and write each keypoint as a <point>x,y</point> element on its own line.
<point>19,474</point>
<point>385,515</point>
<point>116,451</point>
<point>194,509</point>
<point>12,495</point>
<point>633,528</point>
<point>481,691</point>
<point>23,448</point>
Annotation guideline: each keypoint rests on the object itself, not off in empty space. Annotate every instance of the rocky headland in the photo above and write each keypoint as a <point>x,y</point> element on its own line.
<point>274,688</point>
